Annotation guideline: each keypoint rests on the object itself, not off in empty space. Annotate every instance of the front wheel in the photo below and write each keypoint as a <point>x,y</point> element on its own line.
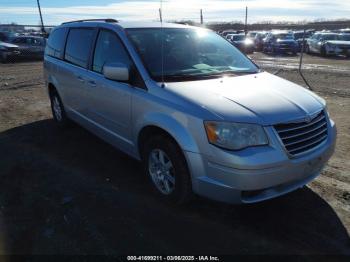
<point>324,52</point>
<point>3,58</point>
<point>307,49</point>
<point>166,166</point>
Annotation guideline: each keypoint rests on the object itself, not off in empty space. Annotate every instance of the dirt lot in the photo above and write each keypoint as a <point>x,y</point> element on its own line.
<point>67,192</point>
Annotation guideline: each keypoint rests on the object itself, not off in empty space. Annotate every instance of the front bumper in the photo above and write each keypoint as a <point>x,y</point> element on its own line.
<point>10,53</point>
<point>257,174</point>
<point>285,48</point>
<point>338,51</point>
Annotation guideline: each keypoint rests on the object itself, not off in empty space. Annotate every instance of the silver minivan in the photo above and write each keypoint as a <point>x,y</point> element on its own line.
<point>199,114</point>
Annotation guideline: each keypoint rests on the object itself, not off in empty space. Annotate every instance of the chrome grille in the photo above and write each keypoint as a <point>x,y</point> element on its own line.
<point>298,138</point>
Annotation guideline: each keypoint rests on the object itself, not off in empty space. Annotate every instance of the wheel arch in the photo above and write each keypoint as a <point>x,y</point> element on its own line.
<point>169,127</point>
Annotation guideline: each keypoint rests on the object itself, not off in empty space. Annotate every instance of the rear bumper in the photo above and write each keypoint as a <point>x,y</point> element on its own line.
<point>237,185</point>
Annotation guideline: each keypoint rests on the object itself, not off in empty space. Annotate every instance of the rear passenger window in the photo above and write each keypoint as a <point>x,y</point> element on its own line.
<point>78,46</point>
<point>109,49</point>
<point>55,43</point>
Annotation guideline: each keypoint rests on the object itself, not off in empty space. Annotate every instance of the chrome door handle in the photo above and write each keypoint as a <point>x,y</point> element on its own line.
<point>92,83</point>
<point>80,79</point>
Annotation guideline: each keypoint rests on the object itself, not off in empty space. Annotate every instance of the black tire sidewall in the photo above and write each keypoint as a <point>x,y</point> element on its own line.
<point>3,58</point>
<point>183,189</point>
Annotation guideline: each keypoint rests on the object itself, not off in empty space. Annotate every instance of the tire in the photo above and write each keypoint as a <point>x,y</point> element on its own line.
<point>167,168</point>
<point>3,58</point>
<point>307,49</point>
<point>273,50</point>
<point>58,111</point>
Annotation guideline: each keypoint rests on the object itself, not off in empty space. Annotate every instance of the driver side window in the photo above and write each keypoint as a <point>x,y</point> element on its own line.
<point>109,49</point>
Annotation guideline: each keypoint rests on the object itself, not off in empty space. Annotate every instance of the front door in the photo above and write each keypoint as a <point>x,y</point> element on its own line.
<point>109,102</point>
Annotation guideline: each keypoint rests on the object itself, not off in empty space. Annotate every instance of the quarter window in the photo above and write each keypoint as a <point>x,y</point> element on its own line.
<point>78,46</point>
<point>55,43</point>
<point>109,49</point>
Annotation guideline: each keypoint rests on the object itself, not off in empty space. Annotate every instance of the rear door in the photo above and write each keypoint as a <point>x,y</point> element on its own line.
<point>73,72</point>
<point>109,102</point>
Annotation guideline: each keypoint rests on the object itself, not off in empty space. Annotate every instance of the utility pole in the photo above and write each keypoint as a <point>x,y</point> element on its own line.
<point>246,21</point>
<point>41,18</point>
<point>201,13</point>
<point>160,15</point>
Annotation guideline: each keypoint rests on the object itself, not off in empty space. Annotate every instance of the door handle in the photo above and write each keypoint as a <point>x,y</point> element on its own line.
<point>92,83</point>
<point>80,79</point>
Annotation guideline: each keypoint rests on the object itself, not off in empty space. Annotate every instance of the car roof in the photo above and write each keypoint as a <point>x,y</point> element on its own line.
<point>127,25</point>
<point>281,32</point>
<point>327,33</point>
<point>28,36</point>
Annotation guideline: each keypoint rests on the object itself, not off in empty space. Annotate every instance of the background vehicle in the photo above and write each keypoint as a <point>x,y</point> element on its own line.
<point>189,105</point>
<point>326,43</point>
<point>252,34</point>
<point>30,46</point>
<point>243,43</point>
<point>230,32</point>
<point>259,40</point>
<point>6,36</point>
<point>7,51</point>
<point>299,36</point>
<point>280,42</point>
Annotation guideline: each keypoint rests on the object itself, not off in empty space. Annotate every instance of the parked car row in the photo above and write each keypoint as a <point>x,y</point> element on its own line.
<point>328,43</point>
<point>12,46</point>
<point>325,43</point>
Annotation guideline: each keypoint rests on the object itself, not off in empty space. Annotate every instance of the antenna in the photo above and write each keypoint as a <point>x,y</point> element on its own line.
<point>162,39</point>
<point>201,16</point>
<point>160,15</point>
<point>246,21</point>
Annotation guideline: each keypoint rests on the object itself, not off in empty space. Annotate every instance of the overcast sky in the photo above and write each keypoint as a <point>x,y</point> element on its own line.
<point>58,11</point>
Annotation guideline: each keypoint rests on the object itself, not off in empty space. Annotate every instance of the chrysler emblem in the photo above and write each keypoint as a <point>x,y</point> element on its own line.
<point>308,119</point>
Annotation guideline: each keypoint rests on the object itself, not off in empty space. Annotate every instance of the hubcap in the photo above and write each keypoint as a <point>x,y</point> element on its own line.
<point>57,108</point>
<point>161,170</point>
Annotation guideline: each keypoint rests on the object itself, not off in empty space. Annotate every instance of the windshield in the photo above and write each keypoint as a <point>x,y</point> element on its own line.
<point>345,37</point>
<point>189,54</point>
<point>283,36</point>
<point>237,37</point>
<point>330,37</point>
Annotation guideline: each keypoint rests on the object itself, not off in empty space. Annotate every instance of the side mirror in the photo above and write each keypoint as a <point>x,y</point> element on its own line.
<point>116,71</point>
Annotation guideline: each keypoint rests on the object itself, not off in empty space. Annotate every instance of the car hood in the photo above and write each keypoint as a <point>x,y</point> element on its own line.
<point>338,42</point>
<point>285,42</point>
<point>259,98</point>
<point>7,44</point>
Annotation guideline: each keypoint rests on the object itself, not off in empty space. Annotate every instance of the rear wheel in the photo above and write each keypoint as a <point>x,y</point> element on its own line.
<point>166,166</point>
<point>58,112</point>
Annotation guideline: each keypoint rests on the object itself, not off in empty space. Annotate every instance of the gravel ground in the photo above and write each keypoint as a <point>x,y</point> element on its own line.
<point>68,192</point>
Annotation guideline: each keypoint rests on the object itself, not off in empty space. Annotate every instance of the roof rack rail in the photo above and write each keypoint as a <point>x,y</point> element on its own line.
<point>107,20</point>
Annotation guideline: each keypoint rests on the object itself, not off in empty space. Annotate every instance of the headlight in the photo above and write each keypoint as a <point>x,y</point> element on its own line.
<point>235,136</point>
<point>330,46</point>
<point>248,41</point>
